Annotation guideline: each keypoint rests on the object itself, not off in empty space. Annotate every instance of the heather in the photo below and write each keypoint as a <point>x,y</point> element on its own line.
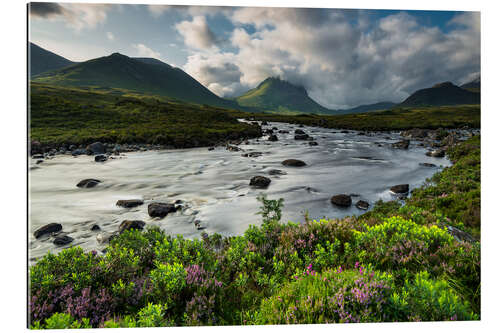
<point>397,262</point>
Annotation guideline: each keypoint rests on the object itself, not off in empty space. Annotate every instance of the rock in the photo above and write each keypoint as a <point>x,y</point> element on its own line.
<point>283,132</point>
<point>211,148</point>
<point>96,148</point>
<point>95,227</point>
<point>100,158</point>
<point>401,188</point>
<point>341,200</point>
<point>129,203</point>
<point>275,128</point>
<point>275,172</point>
<point>233,148</point>
<point>269,132</point>
<point>88,183</point>
<point>301,137</point>
<point>62,240</point>
<point>77,152</point>
<point>415,133</point>
<point>344,132</point>
<point>299,131</point>
<point>264,123</point>
<point>313,143</point>
<point>252,154</point>
<point>293,163</point>
<point>131,224</point>
<point>273,138</point>
<point>361,204</point>
<point>39,161</point>
<point>403,144</point>
<point>354,195</point>
<point>428,165</point>
<point>47,229</point>
<point>160,209</point>
<point>260,181</point>
<point>460,235</point>
<point>301,125</point>
<point>105,237</point>
<point>35,147</point>
<point>436,153</point>
<point>37,157</point>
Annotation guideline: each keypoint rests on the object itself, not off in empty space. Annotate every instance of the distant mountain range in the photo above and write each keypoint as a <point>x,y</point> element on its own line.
<point>41,60</point>
<point>445,93</point>
<point>152,76</point>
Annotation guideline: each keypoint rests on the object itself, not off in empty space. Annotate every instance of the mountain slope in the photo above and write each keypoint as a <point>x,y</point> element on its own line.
<point>445,93</point>
<point>276,95</point>
<point>144,75</point>
<point>41,60</point>
<point>474,85</point>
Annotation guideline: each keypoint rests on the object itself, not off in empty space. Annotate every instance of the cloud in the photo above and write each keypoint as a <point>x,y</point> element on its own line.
<point>343,58</point>
<point>110,35</point>
<point>144,51</point>
<point>196,33</point>
<point>77,16</point>
<point>158,10</point>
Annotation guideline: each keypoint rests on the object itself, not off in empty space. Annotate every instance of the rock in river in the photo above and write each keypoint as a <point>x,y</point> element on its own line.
<point>131,224</point>
<point>47,229</point>
<point>299,131</point>
<point>95,227</point>
<point>273,138</point>
<point>436,153</point>
<point>301,137</point>
<point>400,189</point>
<point>361,204</point>
<point>293,163</point>
<point>87,183</point>
<point>129,203</point>
<point>96,148</point>
<point>428,165</point>
<point>313,143</point>
<point>260,181</point>
<point>100,158</point>
<point>275,172</point>
<point>160,209</point>
<point>341,200</point>
<point>403,144</point>
<point>62,240</point>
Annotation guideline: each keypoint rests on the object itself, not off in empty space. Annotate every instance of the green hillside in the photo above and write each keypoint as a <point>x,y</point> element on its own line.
<point>445,93</point>
<point>279,96</point>
<point>139,75</point>
<point>41,60</point>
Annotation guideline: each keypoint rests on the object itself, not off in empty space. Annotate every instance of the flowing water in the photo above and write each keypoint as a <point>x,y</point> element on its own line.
<point>214,185</point>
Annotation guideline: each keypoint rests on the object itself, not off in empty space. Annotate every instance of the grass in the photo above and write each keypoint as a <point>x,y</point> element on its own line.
<point>80,116</point>
<point>391,264</point>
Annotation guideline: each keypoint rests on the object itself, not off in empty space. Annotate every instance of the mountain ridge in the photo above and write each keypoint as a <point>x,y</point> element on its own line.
<point>42,60</point>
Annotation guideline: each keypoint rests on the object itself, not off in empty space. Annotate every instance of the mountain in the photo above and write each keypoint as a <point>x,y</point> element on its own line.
<point>276,95</point>
<point>41,60</point>
<point>445,93</point>
<point>474,85</point>
<point>368,108</point>
<point>143,75</point>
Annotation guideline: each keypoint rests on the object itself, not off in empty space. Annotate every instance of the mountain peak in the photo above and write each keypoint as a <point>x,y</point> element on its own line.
<point>446,84</point>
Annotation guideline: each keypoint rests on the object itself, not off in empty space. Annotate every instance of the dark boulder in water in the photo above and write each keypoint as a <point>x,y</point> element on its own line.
<point>87,183</point>
<point>260,181</point>
<point>341,200</point>
<point>131,224</point>
<point>100,158</point>
<point>252,154</point>
<point>293,163</point>
<point>403,144</point>
<point>47,229</point>
<point>129,203</point>
<point>95,227</point>
<point>96,148</point>
<point>275,172</point>
<point>301,137</point>
<point>160,209</point>
<point>428,165</point>
<point>361,204</point>
<point>436,153</point>
<point>313,143</point>
<point>62,240</point>
<point>299,131</point>
<point>400,189</point>
<point>273,138</point>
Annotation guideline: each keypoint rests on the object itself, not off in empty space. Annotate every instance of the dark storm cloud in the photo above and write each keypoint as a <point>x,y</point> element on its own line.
<point>45,9</point>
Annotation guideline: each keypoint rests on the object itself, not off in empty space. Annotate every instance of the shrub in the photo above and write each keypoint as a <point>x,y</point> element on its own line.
<point>61,321</point>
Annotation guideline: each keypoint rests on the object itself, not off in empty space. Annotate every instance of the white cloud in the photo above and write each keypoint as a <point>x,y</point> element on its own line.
<point>110,35</point>
<point>196,33</point>
<point>144,51</point>
<point>158,10</point>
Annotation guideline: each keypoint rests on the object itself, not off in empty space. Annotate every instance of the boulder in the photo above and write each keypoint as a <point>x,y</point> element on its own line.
<point>39,161</point>
<point>260,181</point>
<point>361,204</point>
<point>131,224</point>
<point>273,138</point>
<point>344,132</point>
<point>436,153</point>
<point>269,132</point>
<point>95,227</point>
<point>299,131</point>
<point>460,235</point>
<point>62,240</point>
<point>77,152</point>
<point>160,209</point>
<point>293,163</point>
<point>96,148</point>
<point>342,200</point>
<point>264,123</point>
<point>400,189</point>
<point>313,143</point>
<point>88,183</point>
<point>416,133</point>
<point>36,147</point>
<point>283,132</point>
<point>403,144</point>
<point>233,148</point>
<point>301,137</point>
<point>37,157</point>
<point>129,203</point>
<point>105,237</point>
<point>47,229</point>
<point>100,158</point>
<point>428,165</point>
<point>275,128</point>
<point>275,172</point>
<point>252,154</point>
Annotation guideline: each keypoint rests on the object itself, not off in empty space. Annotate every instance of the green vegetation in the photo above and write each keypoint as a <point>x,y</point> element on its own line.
<point>395,119</point>
<point>278,96</point>
<point>391,264</point>
<point>80,116</point>
<point>445,93</point>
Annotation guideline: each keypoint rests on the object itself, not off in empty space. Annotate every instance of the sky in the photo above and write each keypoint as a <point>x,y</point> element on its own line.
<point>342,57</point>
